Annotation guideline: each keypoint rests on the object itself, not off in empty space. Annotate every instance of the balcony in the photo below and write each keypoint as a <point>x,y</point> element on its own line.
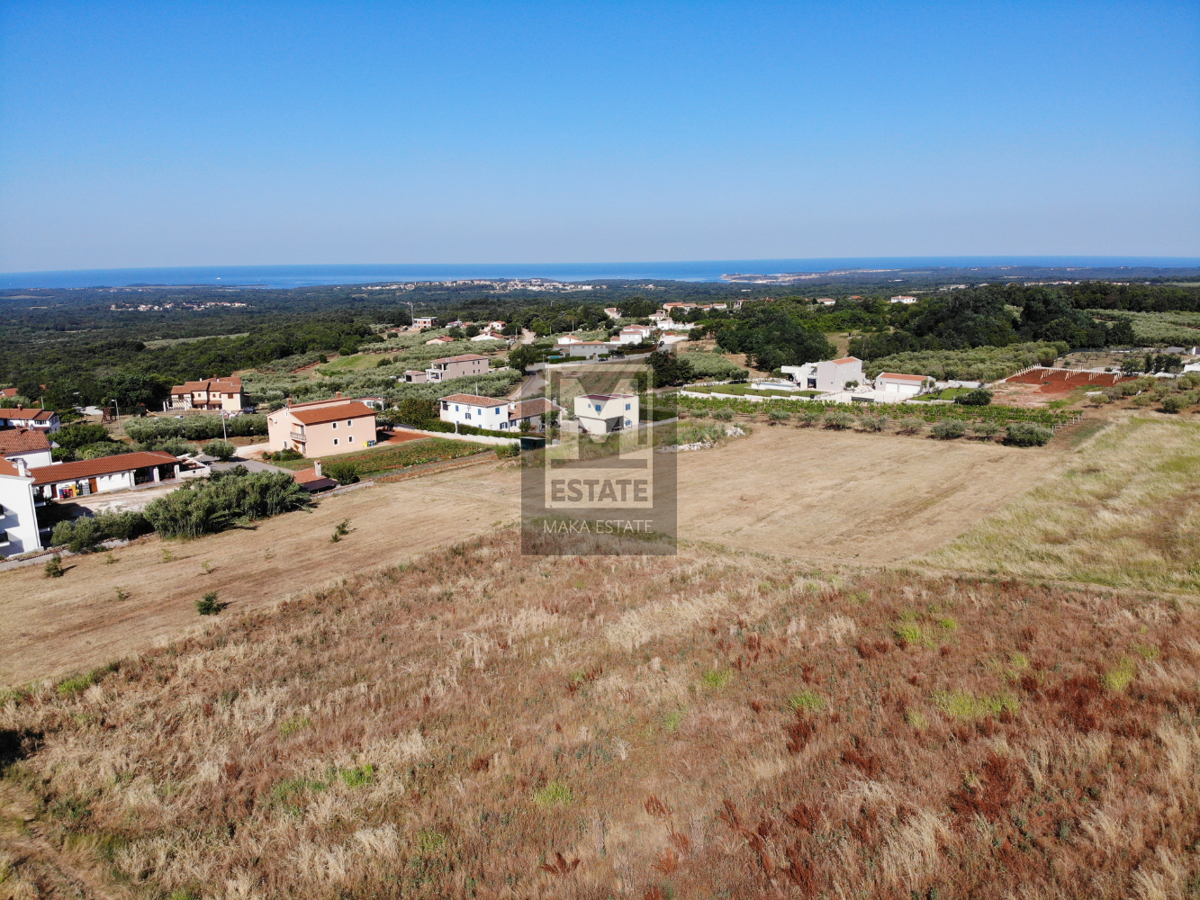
<point>298,436</point>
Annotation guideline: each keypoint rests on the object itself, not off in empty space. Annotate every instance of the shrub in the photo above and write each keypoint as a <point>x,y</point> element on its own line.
<point>343,472</point>
<point>806,700</point>
<point>948,429</point>
<point>209,505</point>
<point>554,794</point>
<point>86,533</point>
<point>985,430</point>
<point>220,449</point>
<point>284,455</point>
<point>1026,434</point>
<point>873,423</point>
<point>208,605</point>
<point>810,416</point>
<point>1176,403</point>
<point>53,568</point>
<point>778,415</point>
<point>976,397</point>
<point>837,419</point>
<point>723,415</point>
<point>911,426</point>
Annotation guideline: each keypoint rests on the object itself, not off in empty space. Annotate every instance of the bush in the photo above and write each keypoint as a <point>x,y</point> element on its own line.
<point>220,449</point>
<point>810,416</point>
<point>208,605</point>
<point>284,455</point>
<point>948,429</point>
<point>53,567</point>
<point>1176,403</point>
<point>873,423</point>
<point>209,505</point>
<point>724,415</point>
<point>985,430</point>
<point>837,419</point>
<point>911,426</point>
<point>344,472</point>
<point>85,534</point>
<point>73,437</point>
<point>778,415</point>
<point>1026,434</point>
<point>976,397</point>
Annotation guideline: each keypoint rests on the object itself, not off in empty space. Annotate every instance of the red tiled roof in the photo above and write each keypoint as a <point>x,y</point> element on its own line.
<point>105,465</point>
<point>7,468</point>
<point>466,357</point>
<point>320,415</point>
<point>846,359</point>
<point>534,407</point>
<point>311,481</point>
<point>474,400</point>
<point>18,412</point>
<point>902,377</point>
<point>232,384</point>
<point>22,440</point>
<point>8,392</point>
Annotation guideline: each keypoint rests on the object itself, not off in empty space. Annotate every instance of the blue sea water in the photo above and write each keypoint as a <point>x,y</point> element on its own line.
<point>706,270</point>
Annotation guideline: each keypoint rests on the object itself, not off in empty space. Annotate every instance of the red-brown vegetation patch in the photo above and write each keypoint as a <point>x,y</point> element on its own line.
<point>735,728</point>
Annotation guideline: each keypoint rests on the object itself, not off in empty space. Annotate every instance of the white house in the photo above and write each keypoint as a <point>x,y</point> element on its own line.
<point>63,481</point>
<point>826,301</point>
<point>634,334</point>
<point>492,413</point>
<point>27,444</point>
<point>903,299</point>
<point>489,336</point>
<point>567,340</point>
<point>895,383</point>
<point>606,413</point>
<point>589,349</point>
<point>45,420</point>
<point>829,375</point>
<point>612,312</point>
<point>18,510</point>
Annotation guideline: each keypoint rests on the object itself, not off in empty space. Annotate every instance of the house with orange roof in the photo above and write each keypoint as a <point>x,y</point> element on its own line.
<point>456,367</point>
<point>18,509</point>
<point>26,443</point>
<point>494,414</point>
<point>322,427</point>
<point>63,481</point>
<point>44,420</point>
<point>221,394</point>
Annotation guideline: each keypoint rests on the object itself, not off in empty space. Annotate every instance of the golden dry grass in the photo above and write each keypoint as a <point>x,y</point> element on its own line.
<point>1123,510</point>
<point>482,724</point>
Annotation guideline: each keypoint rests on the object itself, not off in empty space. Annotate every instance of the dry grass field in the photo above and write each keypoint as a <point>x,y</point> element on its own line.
<point>1123,510</point>
<point>482,724</point>
<point>820,495</point>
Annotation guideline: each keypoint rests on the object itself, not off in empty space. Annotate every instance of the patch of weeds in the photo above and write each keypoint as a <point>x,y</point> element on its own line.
<point>430,841</point>
<point>207,567</point>
<point>912,634</point>
<point>1147,652</point>
<point>357,776</point>
<point>966,707</point>
<point>77,683</point>
<point>807,701</point>
<point>183,894</point>
<point>1120,676</point>
<point>291,725</point>
<point>340,531</point>
<point>288,792</point>
<point>167,555</point>
<point>54,567</point>
<point>916,719</point>
<point>947,623</point>
<point>554,794</point>
<point>716,678</point>
<point>110,559</point>
<point>122,595</point>
<point>672,719</point>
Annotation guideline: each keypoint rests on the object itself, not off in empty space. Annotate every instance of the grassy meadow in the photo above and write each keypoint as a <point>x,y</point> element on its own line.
<point>482,724</point>
<point>1124,511</point>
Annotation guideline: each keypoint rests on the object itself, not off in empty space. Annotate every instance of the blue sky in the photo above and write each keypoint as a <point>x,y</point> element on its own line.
<point>191,133</point>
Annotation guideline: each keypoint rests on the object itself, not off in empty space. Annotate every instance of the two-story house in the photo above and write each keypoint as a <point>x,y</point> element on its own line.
<point>322,427</point>
<point>18,509</point>
<point>492,413</point>
<point>456,367</point>
<point>44,420</point>
<point>606,413</point>
<point>223,394</point>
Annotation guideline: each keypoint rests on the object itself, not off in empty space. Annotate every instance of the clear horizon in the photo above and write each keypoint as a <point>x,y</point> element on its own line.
<point>139,135</point>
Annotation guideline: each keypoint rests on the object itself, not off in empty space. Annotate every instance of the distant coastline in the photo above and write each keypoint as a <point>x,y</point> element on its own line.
<point>697,271</point>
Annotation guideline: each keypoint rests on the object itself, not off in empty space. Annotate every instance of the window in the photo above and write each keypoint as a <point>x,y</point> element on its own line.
<point>335,426</point>
<point>628,407</point>
<point>349,423</point>
<point>597,407</point>
<point>335,442</point>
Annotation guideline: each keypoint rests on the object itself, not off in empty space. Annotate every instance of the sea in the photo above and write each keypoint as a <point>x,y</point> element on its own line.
<point>702,270</point>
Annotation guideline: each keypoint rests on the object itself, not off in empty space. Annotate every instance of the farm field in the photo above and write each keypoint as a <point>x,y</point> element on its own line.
<point>1122,510</point>
<point>888,498</point>
<point>713,724</point>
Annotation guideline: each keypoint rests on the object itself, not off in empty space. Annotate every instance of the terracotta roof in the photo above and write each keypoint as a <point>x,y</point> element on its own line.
<point>902,377</point>
<point>232,383</point>
<point>7,468</point>
<point>22,440</point>
<point>846,359</point>
<point>105,465</point>
<point>534,407</point>
<point>444,339</point>
<point>474,400</point>
<point>18,412</point>
<point>8,392</point>
<point>466,357</point>
<point>352,410</point>
<point>311,481</point>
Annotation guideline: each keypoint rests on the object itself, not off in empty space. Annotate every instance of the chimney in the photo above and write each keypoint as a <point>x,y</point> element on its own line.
<point>22,467</point>
<point>317,469</point>
<point>338,395</point>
